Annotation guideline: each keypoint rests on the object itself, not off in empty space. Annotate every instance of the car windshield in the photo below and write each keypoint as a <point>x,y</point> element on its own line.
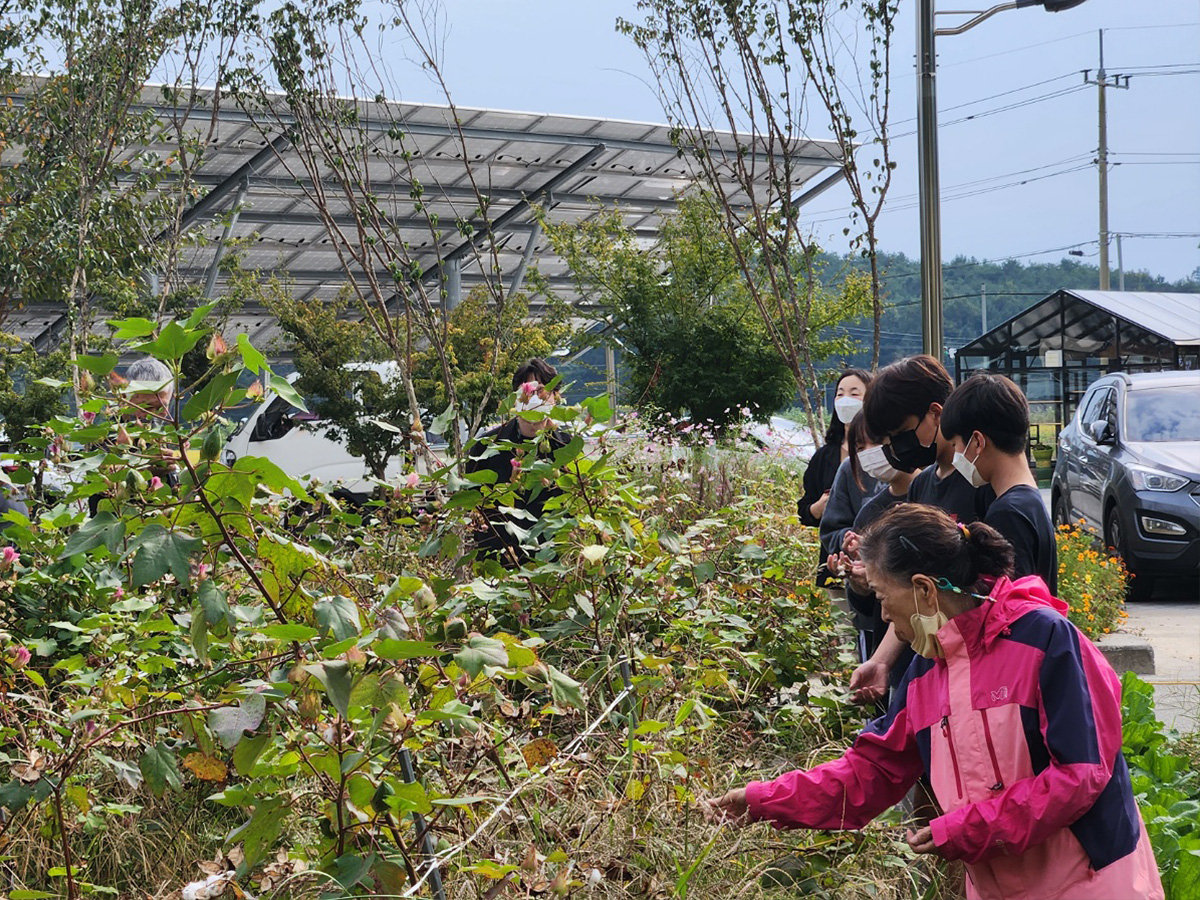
<point>1164,414</point>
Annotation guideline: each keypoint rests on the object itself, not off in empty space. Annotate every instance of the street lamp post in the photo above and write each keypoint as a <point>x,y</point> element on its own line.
<point>927,153</point>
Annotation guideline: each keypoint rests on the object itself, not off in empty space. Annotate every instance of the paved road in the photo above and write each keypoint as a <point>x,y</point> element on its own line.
<point>1170,621</point>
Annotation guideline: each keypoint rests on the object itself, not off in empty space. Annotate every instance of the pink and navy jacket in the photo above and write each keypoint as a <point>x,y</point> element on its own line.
<point>1019,730</point>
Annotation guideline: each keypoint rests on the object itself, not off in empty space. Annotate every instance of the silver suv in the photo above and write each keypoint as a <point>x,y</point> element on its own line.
<point>1129,467</point>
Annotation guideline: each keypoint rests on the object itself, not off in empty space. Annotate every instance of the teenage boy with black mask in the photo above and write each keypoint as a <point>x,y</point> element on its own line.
<point>904,407</point>
<point>986,420</point>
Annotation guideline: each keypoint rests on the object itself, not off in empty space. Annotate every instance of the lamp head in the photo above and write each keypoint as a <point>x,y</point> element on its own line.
<point>1050,5</point>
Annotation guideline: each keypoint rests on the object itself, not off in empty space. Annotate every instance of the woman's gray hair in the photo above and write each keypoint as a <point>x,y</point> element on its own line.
<point>150,370</point>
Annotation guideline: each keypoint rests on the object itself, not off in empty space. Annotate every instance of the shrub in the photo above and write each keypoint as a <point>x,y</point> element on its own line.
<point>1167,788</point>
<point>1091,581</point>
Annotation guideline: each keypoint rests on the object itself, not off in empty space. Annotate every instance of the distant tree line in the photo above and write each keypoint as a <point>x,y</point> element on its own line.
<point>1012,286</point>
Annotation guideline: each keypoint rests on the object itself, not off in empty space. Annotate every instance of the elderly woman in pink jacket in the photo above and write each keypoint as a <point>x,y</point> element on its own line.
<point>1014,715</point>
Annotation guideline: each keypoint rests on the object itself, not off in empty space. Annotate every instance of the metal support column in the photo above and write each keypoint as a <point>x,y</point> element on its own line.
<point>931,235</point>
<point>526,257</point>
<point>453,283</point>
<point>210,283</point>
<point>610,378</point>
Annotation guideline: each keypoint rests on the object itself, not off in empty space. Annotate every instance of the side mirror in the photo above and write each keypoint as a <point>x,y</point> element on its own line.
<point>1100,432</point>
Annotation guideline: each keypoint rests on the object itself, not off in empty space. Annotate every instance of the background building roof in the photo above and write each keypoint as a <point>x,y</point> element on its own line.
<point>570,166</point>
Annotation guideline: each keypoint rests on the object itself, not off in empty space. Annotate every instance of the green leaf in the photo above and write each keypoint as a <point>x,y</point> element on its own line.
<point>481,651</point>
<point>14,795</point>
<point>247,752</point>
<point>351,869</point>
<point>393,649</point>
<point>199,635</point>
<point>292,631</point>
<point>98,365</point>
<point>338,615</point>
<point>407,798</point>
<point>132,329</point>
<point>704,571</point>
<point>564,688</point>
<point>334,675</point>
<point>158,552</point>
<point>598,407</point>
<point>173,342</point>
<point>569,453</point>
<point>213,396</point>
<point>251,358</point>
<point>213,602</point>
<point>260,831</point>
<point>160,769</point>
<point>442,421</point>
<point>102,529</point>
<point>281,387</point>
<point>230,723</point>
<point>30,895</point>
<point>199,314</point>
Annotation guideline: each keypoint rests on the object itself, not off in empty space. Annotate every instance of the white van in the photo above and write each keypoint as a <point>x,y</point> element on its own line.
<point>301,445</point>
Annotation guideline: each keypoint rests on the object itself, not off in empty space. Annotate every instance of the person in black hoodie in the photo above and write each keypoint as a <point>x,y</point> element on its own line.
<point>818,477</point>
<point>504,449</point>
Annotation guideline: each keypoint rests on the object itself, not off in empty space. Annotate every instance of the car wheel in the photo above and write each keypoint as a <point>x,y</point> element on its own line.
<point>1062,512</point>
<point>1141,585</point>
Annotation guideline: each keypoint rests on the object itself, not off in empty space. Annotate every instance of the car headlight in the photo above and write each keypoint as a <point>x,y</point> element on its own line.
<point>1144,479</point>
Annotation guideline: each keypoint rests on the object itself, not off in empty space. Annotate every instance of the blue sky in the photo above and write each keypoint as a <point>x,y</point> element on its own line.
<point>564,56</point>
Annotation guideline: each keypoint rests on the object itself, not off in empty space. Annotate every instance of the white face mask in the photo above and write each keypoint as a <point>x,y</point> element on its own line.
<point>847,408</point>
<point>967,469</point>
<point>925,628</point>
<point>874,463</point>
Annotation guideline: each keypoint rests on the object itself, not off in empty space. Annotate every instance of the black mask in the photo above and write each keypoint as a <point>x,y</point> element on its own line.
<point>907,453</point>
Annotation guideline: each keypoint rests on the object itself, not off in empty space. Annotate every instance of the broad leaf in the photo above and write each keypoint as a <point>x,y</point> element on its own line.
<point>102,529</point>
<point>334,675</point>
<point>564,688</point>
<point>392,649</point>
<point>292,631</point>
<point>213,396</point>
<point>281,387</point>
<point>158,552</point>
<point>160,768</point>
<point>338,615</point>
<point>251,358</point>
<point>213,602</point>
<point>133,328</point>
<point>481,651</point>
<point>230,723</point>
<point>98,365</point>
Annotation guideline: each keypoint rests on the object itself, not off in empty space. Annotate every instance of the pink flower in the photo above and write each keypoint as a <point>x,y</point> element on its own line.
<point>516,465</point>
<point>155,483</point>
<point>412,479</point>
<point>19,656</point>
<point>529,388</point>
<point>88,417</point>
<point>119,593</point>
<point>202,571</point>
<point>8,556</point>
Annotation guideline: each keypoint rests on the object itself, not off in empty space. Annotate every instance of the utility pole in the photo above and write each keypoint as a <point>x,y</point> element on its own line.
<point>1103,83</point>
<point>983,306</point>
<point>930,198</point>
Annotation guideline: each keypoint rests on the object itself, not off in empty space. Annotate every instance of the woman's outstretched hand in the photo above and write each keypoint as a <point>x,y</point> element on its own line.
<point>730,808</point>
<point>922,841</point>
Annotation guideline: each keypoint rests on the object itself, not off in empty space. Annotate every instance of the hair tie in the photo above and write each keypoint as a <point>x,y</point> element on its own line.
<point>966,532</point>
